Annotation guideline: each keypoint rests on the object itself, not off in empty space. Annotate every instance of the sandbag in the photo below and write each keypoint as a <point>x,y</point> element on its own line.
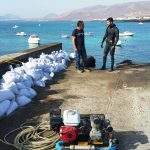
<point>11,76</point>
<point>47,75</point>
<point>4,105</point>
<point>52,74</point>
<point>40,83</point>
<point>12,107</point>
<point>25,92</point>
<point>27,77</point>
<point>31,64</point>
<point>12,86</point>
<point>6,95</point>
<point>72,55</point>
<point>19,70</point>
<point>44,79</point>
<point>23,100</point>
<point>21,85</point>
<point>32,93</point>
<point>28,83</point>
<point>64,62</point>
<point>36,74</point>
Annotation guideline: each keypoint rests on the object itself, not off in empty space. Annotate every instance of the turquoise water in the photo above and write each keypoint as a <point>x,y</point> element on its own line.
<point>135,48</point>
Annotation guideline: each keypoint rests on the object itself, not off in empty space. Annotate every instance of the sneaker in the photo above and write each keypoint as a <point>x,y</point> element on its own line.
<point>79,71</point>
<point>87,70</point>
<point>103,68</point>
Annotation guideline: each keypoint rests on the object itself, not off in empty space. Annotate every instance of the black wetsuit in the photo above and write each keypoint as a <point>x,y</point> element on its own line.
<point>111,36</point>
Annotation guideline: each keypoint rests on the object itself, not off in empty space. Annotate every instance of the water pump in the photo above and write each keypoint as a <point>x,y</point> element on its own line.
<point>80,131</point>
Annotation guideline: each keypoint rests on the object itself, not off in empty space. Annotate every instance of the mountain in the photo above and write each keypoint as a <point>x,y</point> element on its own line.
<point>50,16</point>
<point>10,17</point>
<point>131,9</point>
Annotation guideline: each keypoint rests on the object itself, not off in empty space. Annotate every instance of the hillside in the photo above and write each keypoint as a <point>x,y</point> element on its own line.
<point>138,9</point>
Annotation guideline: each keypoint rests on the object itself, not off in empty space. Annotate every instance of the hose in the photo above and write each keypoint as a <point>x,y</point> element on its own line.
<point>31,137</point>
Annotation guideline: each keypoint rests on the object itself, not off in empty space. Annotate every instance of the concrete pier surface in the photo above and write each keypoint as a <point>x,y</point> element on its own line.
<point>124,95</point>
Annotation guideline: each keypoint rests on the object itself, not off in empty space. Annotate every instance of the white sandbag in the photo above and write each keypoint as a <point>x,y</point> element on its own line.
<point>28,84</point>
<point>11,76</point>
<point>52,69</point>
<point>25,92</point>
<point>6,95</point>
<point>40,83</point>
<point>12,86</point>
<point>12,107</point>
<point>47,75</point>
<point>31,64</point>
<point>23,100</point>
<point>4,107</point>
<point>64,62</point>
<point>21,85</point>
<point>35,74</point>
<point>28,92</point>
<point>32,93</point>
<point>44,79</point>
<point>19,70</point>
<point>72,55</point>
<point>47,69</point>
<point>59,67</point>
<point>27,77</point>
<point>52,74</point>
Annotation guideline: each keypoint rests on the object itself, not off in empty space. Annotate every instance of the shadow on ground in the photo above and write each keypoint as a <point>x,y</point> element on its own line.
<point>132,66</point>
<point>41,105</point>
<point>130,140</point>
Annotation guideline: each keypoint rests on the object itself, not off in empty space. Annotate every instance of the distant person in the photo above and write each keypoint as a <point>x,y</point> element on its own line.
<point>111,37</point>
<point>79,47</point>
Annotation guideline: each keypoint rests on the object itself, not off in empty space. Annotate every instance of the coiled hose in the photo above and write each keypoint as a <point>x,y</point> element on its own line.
<point>31,137</point>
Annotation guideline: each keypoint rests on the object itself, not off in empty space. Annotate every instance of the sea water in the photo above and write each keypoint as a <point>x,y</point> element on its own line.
<point>135,48</point>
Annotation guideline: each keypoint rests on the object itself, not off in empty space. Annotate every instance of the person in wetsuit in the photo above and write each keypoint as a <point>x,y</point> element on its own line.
<point>111,37</point>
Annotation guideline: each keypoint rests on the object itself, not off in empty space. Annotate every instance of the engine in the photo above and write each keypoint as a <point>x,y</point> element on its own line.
<point>72,127</point>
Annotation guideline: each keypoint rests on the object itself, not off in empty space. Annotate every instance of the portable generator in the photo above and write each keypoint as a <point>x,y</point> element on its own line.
<point>88,132</point>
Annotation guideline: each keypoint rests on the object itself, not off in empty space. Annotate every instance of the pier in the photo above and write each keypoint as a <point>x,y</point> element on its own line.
<point>122,95</point>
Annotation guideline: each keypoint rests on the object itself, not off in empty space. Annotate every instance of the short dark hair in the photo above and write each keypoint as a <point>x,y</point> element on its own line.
<point>80,22</point>
<point>110,19</point>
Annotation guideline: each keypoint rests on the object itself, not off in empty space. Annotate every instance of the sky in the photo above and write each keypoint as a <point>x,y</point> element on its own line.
<point>40,8</point>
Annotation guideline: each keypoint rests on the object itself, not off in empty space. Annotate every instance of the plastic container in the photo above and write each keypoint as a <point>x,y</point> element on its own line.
<point>71,118</point>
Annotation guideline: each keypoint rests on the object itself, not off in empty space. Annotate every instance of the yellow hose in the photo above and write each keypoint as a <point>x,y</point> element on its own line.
<point>31,138</point>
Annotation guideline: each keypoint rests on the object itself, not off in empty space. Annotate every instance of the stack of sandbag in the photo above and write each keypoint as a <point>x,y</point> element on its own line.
<point>16,85</point>
<point>15,88</point>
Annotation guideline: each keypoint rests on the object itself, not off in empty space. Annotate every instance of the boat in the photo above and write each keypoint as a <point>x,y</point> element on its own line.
<point>15,26</point>
<point>89,34</point>
<point>39,25</point>
<point>126,33</point>
<point>119,43</point>
<point>65,36</point>
<point>31,45</point>
<point>140,22</point>
<point>21,34</point>
<point>34,39</point>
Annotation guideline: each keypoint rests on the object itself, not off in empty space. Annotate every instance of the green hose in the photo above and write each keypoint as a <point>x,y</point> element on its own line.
<point>31,138</point>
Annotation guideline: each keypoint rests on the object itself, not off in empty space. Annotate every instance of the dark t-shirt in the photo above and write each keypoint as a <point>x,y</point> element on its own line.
<point>79,37</point>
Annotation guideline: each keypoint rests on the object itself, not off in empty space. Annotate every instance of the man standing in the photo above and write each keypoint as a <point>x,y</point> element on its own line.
<point>111,36</point>
<point>79,47</point>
